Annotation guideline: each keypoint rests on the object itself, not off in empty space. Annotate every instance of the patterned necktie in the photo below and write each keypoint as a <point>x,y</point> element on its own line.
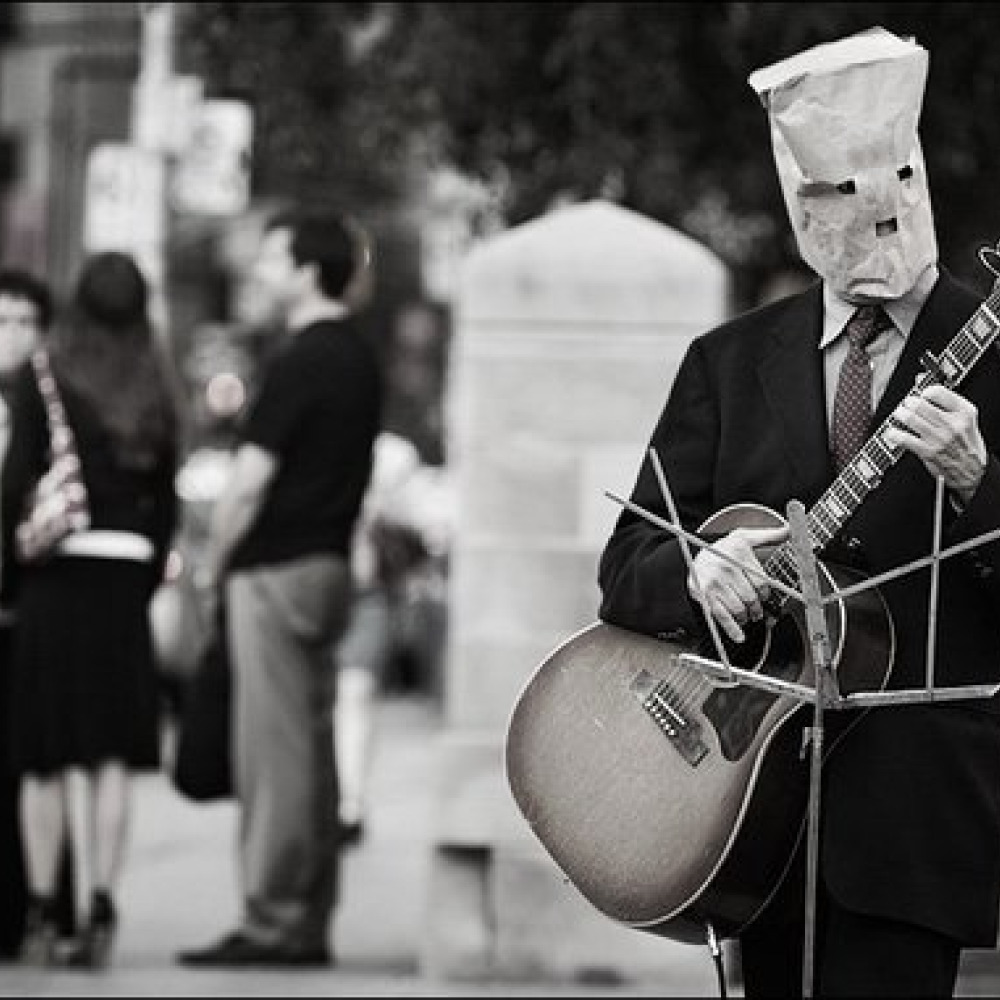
<point>852,406</point>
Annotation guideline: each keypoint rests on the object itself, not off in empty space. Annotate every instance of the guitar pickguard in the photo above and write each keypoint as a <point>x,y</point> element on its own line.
<point>737,713</point>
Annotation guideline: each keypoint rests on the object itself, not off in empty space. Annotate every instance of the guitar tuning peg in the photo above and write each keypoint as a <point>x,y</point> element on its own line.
<point>989,257</point>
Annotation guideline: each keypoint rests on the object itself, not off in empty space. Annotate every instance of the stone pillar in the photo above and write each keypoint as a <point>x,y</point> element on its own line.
<point>568,332</point>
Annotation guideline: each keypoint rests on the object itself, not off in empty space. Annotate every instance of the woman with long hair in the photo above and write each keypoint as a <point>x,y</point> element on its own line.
<point>84,684</point>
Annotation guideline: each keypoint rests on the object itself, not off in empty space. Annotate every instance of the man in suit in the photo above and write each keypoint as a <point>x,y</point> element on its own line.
<point>909,865</point>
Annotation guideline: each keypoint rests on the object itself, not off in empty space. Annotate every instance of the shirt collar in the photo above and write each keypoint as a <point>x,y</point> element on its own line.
<point>902,311</point>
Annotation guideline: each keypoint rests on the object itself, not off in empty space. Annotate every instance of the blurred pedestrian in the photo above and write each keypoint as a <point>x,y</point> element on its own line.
<point>387,545</point>
<point>279,545</point>
<point>25,311</point>
<point>25,314</point>
<point>84,686</point>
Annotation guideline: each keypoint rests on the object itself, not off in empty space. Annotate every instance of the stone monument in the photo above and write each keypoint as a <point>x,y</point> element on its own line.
<point>568,331</point>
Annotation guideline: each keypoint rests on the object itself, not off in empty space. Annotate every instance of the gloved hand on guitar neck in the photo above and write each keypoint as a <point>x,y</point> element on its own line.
<point>728,580</point>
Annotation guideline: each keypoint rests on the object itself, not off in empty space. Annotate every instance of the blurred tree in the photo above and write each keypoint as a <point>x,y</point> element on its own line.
<point>643,103</point>
<point>311,73</point>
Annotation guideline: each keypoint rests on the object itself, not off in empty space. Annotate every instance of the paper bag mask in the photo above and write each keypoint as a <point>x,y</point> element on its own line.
<point>843,120</point>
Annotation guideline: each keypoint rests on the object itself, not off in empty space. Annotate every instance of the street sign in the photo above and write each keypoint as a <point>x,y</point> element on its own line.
<point>213,170</point>
<point>123,200</point>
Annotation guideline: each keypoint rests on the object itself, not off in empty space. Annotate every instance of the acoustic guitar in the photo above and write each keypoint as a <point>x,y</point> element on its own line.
<point>670,799</point>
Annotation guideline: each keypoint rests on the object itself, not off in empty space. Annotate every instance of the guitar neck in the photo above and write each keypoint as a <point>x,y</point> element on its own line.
<point>865,471</point>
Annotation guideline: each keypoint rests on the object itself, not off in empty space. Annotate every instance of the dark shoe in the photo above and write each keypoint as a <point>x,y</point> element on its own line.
<point>351,834</point>
<point>237,949</point>
<point>222,952</point>
<point>93,950</point>
<point>41,934</point>
<point>38,947</point>
<point>317,957</point>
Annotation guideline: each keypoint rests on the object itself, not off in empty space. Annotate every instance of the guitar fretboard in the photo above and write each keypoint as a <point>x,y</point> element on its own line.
<point>865,471</point>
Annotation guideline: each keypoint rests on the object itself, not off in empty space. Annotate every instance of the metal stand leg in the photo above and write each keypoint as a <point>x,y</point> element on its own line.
<point>812,853</point>
<point>826,690</point>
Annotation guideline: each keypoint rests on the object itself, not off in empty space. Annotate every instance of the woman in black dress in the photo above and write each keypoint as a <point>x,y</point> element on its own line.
<point>84,684</point>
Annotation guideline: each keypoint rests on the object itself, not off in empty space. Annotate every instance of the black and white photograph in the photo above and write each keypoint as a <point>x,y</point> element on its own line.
<point>499,499</point>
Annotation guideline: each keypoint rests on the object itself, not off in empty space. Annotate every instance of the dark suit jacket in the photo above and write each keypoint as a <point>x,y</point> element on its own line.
<point>911,815</point>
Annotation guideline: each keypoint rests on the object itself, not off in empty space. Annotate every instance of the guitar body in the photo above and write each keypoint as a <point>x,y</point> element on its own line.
<point>665,797</point>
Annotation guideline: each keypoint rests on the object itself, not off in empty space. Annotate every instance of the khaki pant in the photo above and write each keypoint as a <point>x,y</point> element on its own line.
<point>281,622</point>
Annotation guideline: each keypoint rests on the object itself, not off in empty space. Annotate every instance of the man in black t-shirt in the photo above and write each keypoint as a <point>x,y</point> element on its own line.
<point>279,545</point>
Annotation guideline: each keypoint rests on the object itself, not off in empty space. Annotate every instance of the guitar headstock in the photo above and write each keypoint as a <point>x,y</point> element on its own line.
<point>989,257</point>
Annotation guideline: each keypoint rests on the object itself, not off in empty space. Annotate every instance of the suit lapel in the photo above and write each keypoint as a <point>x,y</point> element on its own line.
<point>797,400</point>
<point>791,375</point>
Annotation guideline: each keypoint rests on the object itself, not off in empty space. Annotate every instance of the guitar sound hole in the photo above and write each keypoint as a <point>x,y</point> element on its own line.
<point>736,713</point>
<point>750,653</point>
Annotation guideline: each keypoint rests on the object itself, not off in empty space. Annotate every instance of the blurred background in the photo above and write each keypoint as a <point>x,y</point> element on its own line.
<point>173,130</point>
<point>173,127</point>
<point>484,145</point>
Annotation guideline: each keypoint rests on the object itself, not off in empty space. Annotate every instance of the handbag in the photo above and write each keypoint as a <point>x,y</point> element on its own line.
<point>57,505</point>
<point>202,767</point>
<point>180,620</point>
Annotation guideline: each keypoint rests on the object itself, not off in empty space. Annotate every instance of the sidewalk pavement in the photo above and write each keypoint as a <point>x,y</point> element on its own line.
<point>179,892</point>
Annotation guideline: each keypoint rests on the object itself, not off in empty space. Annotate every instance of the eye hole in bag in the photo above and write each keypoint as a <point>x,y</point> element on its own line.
<point>58,505</point>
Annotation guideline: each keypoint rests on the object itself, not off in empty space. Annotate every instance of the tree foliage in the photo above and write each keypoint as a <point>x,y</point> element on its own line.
<point>309,73</point>
<point>645,103</point>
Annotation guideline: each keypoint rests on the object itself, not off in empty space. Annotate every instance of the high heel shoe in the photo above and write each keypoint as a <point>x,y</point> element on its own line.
<point>41,933</point>
<point>93,951</point>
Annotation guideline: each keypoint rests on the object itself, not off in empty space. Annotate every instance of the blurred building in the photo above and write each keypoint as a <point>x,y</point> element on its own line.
<point>66,76</point>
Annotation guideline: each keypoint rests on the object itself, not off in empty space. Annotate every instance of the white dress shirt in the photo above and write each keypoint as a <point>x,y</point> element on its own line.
<point>884,351</point>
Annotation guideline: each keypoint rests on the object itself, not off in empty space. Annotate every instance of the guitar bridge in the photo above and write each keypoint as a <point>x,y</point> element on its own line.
<point>664,708</point>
